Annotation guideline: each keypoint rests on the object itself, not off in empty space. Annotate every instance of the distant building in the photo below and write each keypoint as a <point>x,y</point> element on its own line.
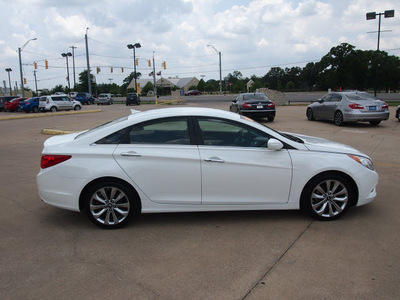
<point>167,83</point>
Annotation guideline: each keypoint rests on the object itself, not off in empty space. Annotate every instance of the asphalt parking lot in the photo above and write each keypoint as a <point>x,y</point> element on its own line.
<point>49,253</point>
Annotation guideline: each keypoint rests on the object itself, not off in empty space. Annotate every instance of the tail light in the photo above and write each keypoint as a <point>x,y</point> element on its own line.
<point>272,104</point>
<point>47,101</point>
<point>356,106</point>
<point>385,105</point>
<point>52,160</point>
<point>246,105</point>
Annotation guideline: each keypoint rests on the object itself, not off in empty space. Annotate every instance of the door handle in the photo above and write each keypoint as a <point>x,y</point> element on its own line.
<point>131,153</point>
<point>214,159</point>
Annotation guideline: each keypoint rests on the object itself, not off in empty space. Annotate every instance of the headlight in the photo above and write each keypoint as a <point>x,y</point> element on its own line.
<point>366,162</point>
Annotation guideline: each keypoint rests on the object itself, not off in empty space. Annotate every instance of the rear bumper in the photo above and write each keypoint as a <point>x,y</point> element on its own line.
<point>258,113</point>
<point>366,116</point>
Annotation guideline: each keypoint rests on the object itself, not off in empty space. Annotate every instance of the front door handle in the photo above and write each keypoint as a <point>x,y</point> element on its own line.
<point>131,153</point>
<point>214,159</point>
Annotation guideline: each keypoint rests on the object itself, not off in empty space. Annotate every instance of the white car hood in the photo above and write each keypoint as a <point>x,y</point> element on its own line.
<point>323,145</point>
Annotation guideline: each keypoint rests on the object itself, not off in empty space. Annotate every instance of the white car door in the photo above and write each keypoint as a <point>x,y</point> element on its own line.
<point>237,168</point>
<point>161,161</point>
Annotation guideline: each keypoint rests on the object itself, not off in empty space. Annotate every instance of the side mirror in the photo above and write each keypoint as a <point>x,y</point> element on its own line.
<point>274,144</point>
<point>320,100</point>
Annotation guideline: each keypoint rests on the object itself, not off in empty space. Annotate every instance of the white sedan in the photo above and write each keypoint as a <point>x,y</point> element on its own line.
<point>199,159</point>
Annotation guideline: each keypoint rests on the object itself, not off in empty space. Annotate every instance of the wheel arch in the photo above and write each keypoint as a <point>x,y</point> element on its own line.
<point>354,186</point>
<point>88,186</point>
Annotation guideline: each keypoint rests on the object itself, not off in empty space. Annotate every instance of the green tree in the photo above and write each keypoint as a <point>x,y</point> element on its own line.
<point>201,85</point>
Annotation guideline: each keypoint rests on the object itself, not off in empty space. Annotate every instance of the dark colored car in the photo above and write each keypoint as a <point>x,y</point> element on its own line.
<point>85,98</point>
<point>255,105</point>
<point>13,105</point>
<point>5,99</point>
<point>192,93</point>
<point>132,98</point>
<point>31,104</point>
<point>398,113</point>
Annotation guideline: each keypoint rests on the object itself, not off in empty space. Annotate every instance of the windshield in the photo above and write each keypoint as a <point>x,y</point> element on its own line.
<point>105,125</point>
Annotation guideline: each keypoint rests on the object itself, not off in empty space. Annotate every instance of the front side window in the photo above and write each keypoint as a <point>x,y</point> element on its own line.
<point>219,132</point>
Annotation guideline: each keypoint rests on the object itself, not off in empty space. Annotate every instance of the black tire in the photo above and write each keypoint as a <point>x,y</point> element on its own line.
<point>53,109</point>
<point>35,109</point>
<point>310,114</point>
<point>271,118</point>
<point>338,118</point>
<point>77,107</point>
<point>327,197</point>
<point>374,123</point>
<point>111,204</point>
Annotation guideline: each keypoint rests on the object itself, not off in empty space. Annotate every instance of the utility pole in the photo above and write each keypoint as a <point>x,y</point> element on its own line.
<point>87,61</point>
<point>154,80</point>
<point>73,63</point>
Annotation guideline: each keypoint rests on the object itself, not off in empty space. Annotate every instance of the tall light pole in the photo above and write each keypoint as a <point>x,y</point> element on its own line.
<point>133,46</point>
<point>220,69</point>
<point>66,57</point>
<point>8,70</point>
<point>73,63</point>
<point>87,63</point>
<point>20,64</point>
<point>372,16</point>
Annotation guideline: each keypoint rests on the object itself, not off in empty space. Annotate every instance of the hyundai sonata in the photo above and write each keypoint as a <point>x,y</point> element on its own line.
<point>199,159</point>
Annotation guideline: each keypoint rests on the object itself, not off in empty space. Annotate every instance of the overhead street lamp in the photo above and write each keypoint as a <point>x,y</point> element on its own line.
<point>220,69</point>
<point>8,70</point>
<point>372,16</point>
<point>130,46</point>
<point>66,57</point>
<point>20,64</point>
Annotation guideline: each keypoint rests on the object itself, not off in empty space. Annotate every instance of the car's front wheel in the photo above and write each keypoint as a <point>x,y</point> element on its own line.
<point>77,107</point>
<point>111,204</point>
<point>338,118</point>
<point>310,114</point>
<point>327,197</point>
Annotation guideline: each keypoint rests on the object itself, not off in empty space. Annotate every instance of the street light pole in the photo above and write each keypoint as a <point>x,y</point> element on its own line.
<point>66,57</point>
<point>20,64</point>
<point>372,16</point>
<point>73,63</point>
<point>220,69</point>
<point>8,70</point>
<point>130,46</point>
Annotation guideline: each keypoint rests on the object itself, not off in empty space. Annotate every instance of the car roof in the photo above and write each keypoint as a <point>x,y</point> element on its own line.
<point>183,111</point>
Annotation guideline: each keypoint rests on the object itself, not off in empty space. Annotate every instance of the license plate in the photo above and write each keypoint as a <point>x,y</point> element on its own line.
<point>372,108</point>
<point>259,106</point>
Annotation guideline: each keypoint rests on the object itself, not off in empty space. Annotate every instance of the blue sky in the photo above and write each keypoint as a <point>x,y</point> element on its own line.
<point>253,36</point>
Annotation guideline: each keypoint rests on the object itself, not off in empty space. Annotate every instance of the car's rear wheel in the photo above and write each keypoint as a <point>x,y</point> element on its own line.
<point>374,123</point>
<point>271,118</point>
<point>327,197</point>
<point>338,118</point>
<point>310,114</point>
<point>111,204</point>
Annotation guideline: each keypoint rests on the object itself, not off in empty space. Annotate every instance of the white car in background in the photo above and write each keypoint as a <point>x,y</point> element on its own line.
<point>54,103</point>
<point>199,159</point>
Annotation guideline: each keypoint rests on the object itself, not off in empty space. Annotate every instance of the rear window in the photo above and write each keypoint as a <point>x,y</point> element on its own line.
<point>256,97</point>
<point>361,96</point>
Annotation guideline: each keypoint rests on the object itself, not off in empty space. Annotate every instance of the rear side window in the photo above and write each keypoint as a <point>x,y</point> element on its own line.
<point>164,131</point>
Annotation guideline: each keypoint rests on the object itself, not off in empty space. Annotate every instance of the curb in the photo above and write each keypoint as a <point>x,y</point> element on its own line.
<point>55,131</point>
<point>42,115</point>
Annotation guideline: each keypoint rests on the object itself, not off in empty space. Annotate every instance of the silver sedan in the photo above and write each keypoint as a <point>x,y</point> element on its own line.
<point>353,106</point>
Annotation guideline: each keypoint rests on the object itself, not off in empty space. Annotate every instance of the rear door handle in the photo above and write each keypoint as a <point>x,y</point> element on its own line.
<point>214,159</point>
<point>131,153</point>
